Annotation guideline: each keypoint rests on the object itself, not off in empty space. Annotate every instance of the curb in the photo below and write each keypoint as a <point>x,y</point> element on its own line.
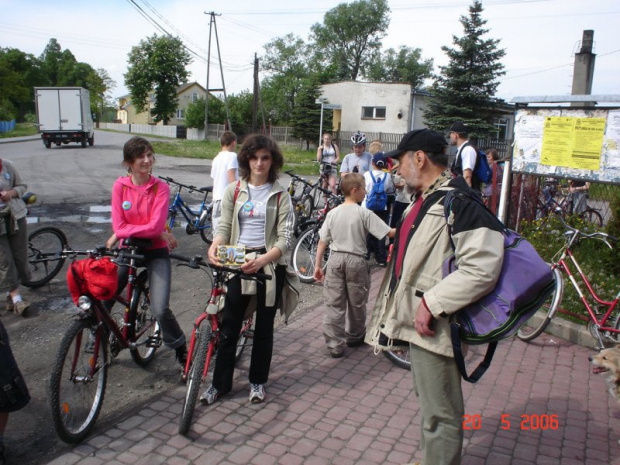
<point>9,140</point>
<point>569,331</point>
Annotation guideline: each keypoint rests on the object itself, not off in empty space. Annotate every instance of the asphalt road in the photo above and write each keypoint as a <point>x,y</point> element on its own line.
<point>71,182</point>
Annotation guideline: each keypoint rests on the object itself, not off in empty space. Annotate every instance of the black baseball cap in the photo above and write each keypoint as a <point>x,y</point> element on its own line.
<point>458,127</point>
<point>420,139</point>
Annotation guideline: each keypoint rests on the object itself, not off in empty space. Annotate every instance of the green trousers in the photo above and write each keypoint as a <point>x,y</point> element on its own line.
<point>437,384</point>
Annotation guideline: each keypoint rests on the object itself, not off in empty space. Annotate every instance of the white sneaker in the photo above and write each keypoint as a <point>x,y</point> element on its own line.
<point>257,393</point>
<point>210,395</point>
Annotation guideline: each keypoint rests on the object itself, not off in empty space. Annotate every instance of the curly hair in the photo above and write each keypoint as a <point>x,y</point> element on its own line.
<point>253,144</point>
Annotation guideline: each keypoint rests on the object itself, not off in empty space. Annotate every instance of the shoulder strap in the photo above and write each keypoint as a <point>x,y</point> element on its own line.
<point>236,194</point>
<point>457,349</point>
<point>372,177</point>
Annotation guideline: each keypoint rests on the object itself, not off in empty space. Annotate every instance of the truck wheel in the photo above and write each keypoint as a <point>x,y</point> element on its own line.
<point>84,142</point>
<point>48,144</point>
<point>91,140</point>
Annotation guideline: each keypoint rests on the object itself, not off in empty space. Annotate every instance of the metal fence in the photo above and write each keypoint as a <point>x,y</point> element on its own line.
<point>527,198</point>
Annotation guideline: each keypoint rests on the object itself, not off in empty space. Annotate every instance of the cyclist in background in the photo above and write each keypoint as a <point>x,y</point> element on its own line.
<point>359,160</point>
<point>328,152</point>
<point>256,213</point>
<point>139,209</point>
<point>578,196</point>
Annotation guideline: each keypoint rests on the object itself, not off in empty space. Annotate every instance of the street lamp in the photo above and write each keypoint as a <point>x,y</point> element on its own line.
<point>321,101</point>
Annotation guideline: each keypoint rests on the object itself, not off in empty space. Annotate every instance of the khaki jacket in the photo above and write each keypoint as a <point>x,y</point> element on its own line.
<point>278,223</point>
<point>479,251</point>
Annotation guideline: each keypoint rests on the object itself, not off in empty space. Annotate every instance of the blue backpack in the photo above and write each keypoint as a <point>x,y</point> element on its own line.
<point>376,199</point>
<point>482,171</point>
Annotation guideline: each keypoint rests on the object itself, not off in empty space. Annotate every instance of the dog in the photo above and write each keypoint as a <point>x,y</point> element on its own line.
<point>608,361</point>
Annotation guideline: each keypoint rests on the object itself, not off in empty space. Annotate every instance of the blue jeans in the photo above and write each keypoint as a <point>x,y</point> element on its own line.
<point>159,268</point>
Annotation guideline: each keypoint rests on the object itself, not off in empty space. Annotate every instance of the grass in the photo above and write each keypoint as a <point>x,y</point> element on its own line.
<point>21,130</point>
<point>298,160</point>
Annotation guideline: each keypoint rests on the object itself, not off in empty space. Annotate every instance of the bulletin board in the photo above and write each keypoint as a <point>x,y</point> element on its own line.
<point>576,143</point>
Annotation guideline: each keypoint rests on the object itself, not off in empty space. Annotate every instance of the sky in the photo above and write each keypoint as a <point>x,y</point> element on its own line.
<point>540,36</point>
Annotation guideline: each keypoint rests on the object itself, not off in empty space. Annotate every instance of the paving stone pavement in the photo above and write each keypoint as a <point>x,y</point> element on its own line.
<point>539,403</point>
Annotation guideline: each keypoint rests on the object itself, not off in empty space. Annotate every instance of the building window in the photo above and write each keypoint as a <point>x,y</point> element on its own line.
<point>373,112</point>
<point>181,114</point>
<point>194,96</point>
<point>501,128</point>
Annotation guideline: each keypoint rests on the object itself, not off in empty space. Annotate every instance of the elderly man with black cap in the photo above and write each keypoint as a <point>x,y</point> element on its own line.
<point>415,300</point>
<point>465,160</point>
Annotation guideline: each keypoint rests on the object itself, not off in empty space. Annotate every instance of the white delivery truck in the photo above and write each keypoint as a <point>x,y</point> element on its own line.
<point>63,115</point>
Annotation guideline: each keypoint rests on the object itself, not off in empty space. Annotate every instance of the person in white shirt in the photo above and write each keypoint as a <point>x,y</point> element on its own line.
<point>465,160</point>
<point>224,170</point>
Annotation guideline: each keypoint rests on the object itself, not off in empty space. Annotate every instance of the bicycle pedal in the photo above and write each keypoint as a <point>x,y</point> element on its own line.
<point>154,342</point>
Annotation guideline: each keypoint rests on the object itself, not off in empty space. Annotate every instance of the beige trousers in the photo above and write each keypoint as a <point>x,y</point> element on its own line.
<point>345,289</point>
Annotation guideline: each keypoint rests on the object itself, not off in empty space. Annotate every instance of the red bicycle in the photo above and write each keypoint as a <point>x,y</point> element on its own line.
<point>206,333</point>
<point>79,374</point>
<point>603,322</point>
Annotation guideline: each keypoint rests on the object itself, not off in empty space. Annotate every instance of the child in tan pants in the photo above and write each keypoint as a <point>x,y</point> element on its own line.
<point>347,278</point>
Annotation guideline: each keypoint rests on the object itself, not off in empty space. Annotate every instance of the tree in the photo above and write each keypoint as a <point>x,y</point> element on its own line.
<point>157,64</point>
<point>350,36</point>
<point>19,74</point>
<point>404,65</point>
<point>195,114</point>
<point>465,88</point>
<point>285,62</point>
<point>240,109</point>
<point>307,114</point>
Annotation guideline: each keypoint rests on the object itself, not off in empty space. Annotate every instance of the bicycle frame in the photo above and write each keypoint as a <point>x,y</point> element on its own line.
<point>195,218</point>
<point>600,324</point>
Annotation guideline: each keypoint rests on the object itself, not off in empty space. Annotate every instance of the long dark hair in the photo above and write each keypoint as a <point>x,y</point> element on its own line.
<point>253,144</point>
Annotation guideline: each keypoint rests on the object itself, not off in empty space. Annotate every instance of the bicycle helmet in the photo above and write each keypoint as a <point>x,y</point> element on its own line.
<point>359,138</point>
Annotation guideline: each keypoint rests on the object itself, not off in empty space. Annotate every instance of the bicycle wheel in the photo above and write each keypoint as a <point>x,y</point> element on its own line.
<point>401,357</point>
<point>207,235</point>
<point>143,328</point>
<point>194,378</point>
<point>535,326</point>
<point>247,329</point>
<point>592,216</point>
<point>303,257</point>
<point>78,380</point>
<point>45,248</point>
<point>303,210</point>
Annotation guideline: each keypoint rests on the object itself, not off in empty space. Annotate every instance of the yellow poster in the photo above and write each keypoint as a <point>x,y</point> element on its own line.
<point>572,142</point>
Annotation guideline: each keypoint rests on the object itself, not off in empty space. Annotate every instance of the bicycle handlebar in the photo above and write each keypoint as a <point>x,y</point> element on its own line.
<point>198,261</point>
<point>601,236</point>
<point>189,188</point>
<point>101,251</point>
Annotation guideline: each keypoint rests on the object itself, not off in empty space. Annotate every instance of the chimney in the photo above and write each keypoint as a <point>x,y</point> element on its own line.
<point>583,69</point>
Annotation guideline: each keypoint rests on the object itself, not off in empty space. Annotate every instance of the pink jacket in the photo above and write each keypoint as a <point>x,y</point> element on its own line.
<point>140,211</point>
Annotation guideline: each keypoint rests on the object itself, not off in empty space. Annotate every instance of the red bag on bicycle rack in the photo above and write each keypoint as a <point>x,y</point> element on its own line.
<point>97,277</point>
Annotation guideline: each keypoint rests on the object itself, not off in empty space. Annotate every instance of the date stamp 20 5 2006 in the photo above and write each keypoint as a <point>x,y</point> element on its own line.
<point>533,422</point>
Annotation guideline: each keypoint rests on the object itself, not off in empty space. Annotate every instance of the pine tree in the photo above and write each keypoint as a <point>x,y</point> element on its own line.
<point>307,113</point>
<point>465,88</point>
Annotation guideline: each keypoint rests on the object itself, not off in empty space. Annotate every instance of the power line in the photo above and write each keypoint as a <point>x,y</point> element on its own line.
<point>553,67</point>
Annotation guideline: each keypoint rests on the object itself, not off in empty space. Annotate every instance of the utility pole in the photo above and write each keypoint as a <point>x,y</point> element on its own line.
<point>213,27</point>
<point>255,99</point>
